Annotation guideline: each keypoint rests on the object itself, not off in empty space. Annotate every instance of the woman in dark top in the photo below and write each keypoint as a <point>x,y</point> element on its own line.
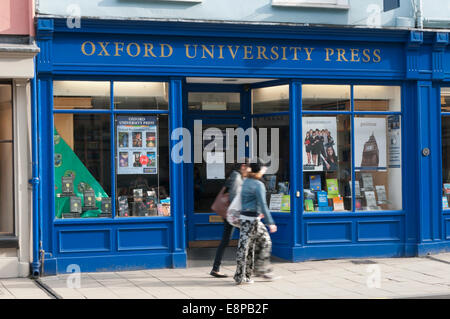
<point>331,160</point>
<point>233,185</point>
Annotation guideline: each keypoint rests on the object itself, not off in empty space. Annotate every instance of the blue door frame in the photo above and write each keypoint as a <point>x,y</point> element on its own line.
<point>416,60</point>
<point>199,226</point>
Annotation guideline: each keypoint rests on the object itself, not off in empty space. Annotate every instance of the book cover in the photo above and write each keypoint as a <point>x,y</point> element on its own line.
<point>381,194</point>
<point>357,189</point>
<point>325,209</point>
<point>286,203</point>
<point>332,187</point>
<point>447,189</point>
<point>370,198</point>
<point>338,203</point>
<point>367,181</point>
<point>322,199</point>
<point>444,202</point>
<point>358,204</point>
<point>309,205</point>
<point>315,182</point>
<point>275,202</point>
<point>309,194</point>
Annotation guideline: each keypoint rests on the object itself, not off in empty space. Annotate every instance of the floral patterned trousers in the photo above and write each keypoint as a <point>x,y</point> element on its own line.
<point>254,249</point>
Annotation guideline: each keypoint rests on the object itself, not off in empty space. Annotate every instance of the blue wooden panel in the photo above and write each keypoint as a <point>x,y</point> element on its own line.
<point>447,228</point>
<point>328,232</point>
<point>72,241</point>
<point>206,231</point>
<point>142,238</point>
<point>381,230</point>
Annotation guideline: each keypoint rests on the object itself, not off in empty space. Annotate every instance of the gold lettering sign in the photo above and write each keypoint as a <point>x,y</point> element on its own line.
<point>233,52</point>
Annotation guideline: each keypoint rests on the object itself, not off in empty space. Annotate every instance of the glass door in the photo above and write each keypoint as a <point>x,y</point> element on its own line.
<point>217,156</point>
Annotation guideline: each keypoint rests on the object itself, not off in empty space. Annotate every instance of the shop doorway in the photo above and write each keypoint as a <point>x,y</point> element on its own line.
<point>205,181</point>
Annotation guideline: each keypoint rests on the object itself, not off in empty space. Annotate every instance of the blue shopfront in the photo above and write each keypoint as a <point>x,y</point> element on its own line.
<point>127,116</point>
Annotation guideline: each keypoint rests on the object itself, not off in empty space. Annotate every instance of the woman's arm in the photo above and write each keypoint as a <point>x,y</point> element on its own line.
<point>261,198</point>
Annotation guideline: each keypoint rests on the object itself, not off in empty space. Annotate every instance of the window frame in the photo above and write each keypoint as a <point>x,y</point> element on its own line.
<point>10,238</point>
<point>111,111</point>
<point>320,4</point>
<point>441,116</point>
<point>353,113</point>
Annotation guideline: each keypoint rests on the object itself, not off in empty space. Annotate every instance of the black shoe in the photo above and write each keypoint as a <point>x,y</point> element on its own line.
<point>217,274</point>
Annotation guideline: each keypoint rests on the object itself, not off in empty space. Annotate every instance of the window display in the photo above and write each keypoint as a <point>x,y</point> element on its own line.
<point>378,162</point>
<point>278,175</point>
<point>326,163</point>
<point>328,145</point>
<point>142,173</point>
<point>82,165</point>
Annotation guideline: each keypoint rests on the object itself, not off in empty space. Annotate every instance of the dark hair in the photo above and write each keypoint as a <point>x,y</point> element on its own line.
<point>243,161</point>
<point>258,165</point>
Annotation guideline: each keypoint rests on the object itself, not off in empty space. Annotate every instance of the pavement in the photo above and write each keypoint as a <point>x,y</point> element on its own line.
<point>370,278</point>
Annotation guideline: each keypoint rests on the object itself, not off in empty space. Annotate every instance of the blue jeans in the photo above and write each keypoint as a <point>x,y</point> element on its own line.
<point>227,232</point>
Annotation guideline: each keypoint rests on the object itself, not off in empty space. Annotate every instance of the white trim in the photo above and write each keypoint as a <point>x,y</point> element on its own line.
<point>337,4</point>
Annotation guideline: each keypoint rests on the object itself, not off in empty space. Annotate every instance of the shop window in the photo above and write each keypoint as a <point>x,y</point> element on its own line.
<point>141,95</point>
<point>327,163</point>
<point>270,99</point>
<point>321,97</point>
<point>142,173</point>
<point>445,107</point>
<point>214,101</point>
<point>273,135</point>
<point>81,95</point>
<point>329,142</point>
<point>377,98</point>
<point>82,160</point>
<point>378,176</point>
<point>6,160</point>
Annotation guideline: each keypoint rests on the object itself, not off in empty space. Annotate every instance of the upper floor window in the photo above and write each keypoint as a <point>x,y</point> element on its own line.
<point>335,4</point>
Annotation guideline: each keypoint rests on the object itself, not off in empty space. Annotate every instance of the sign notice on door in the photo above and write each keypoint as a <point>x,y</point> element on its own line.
<point>215,165</point>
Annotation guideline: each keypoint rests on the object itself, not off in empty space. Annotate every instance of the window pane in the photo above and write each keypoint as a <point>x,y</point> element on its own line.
<point>378,179</point>
<point>209,178</point>
<point>270,99</point>
<point>142,173</point>
<point>322,97</point>
<point>445,161</point>
<point>445,99</point>
<point>377,98</point>
<point>6,160</point>
<point>141,95</point>
<point>6,189</point>
<point>326,163</point>
<point>273,143</point>
<point>82,165</point>
<point>81,95</point>
<point>214,101</point>
<point>6,127</point>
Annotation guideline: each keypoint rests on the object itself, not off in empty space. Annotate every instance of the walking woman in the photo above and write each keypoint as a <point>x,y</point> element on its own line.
<point>255,245</point>
<point>233,185</point>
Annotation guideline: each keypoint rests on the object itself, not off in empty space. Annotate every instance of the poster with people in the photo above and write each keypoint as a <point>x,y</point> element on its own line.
<point>370,143</point>
<point>319,144</point>
<point>137,149</point>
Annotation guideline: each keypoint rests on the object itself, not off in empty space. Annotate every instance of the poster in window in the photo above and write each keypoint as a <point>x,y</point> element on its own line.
<point>370,143</point>
<point>395,141</point>
<point>137,146</point>
<point>320,143</point>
